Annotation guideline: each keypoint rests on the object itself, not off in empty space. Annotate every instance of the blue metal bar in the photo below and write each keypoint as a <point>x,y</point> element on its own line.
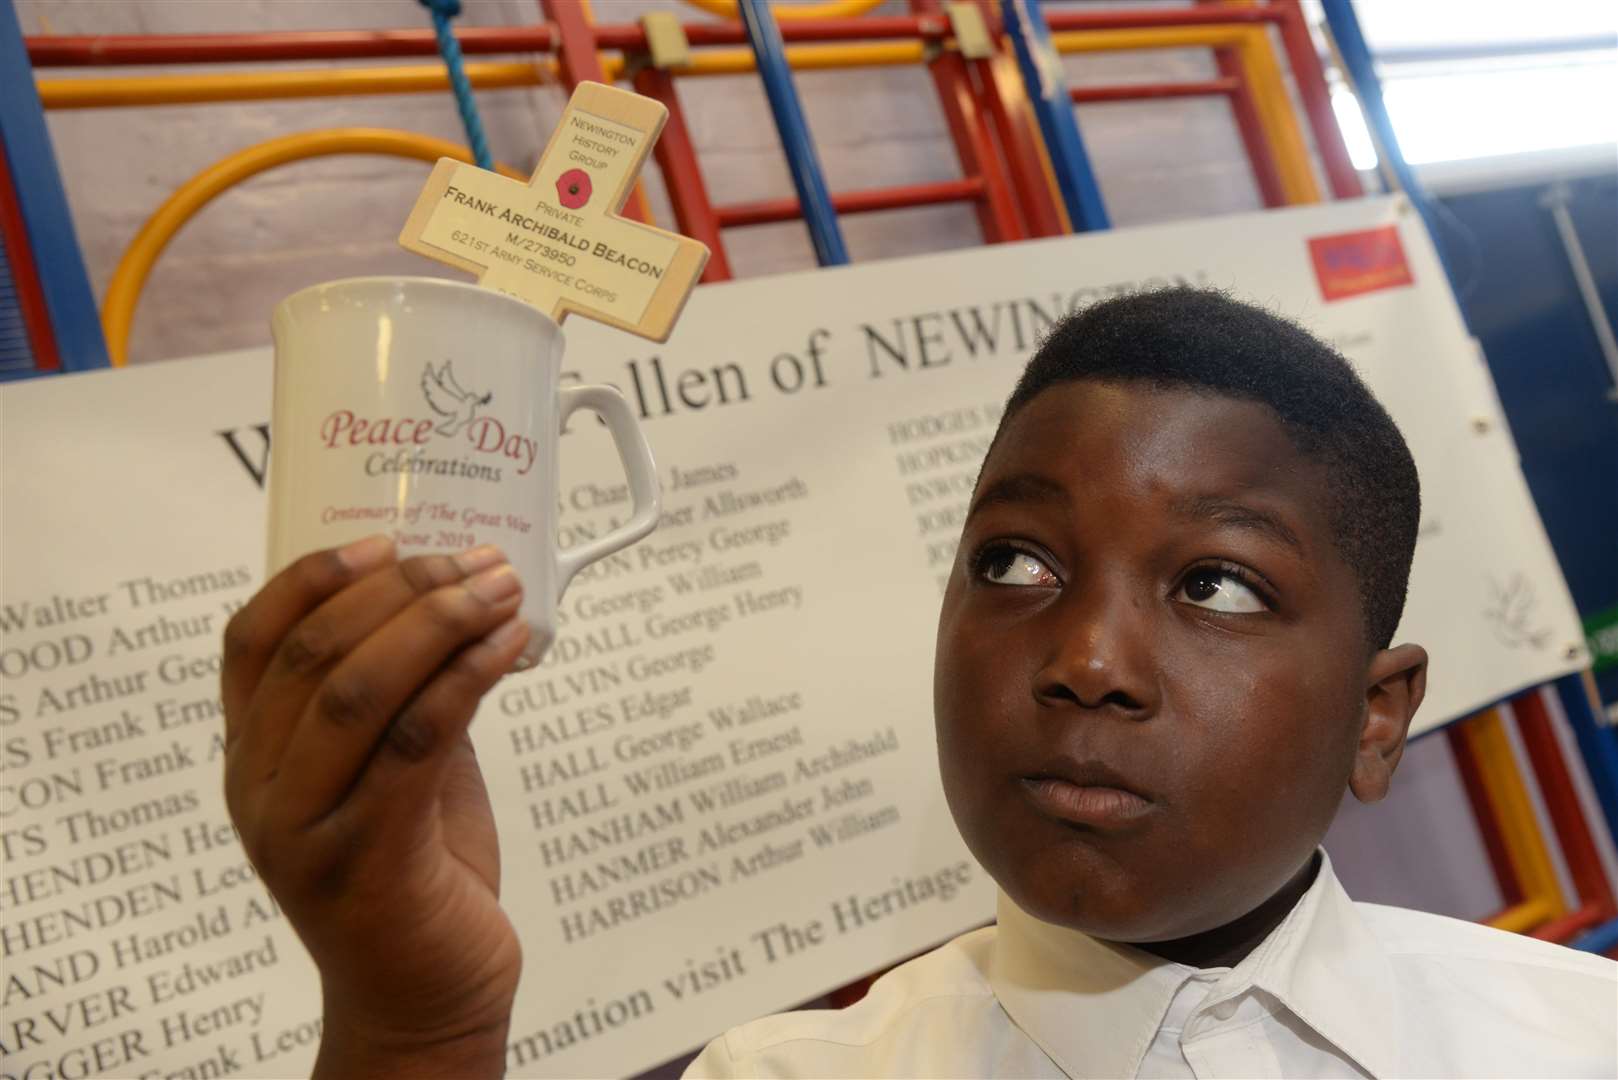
<point>1598,939</point>
<point>807,175</point>
<point>69,300</point>
<point>1053,106</point>
<point>17,360</point>
<point>1598,744</point>
<point>1356,57</point>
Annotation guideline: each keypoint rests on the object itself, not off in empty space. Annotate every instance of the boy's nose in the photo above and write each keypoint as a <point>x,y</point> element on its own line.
<point>1099,657</point>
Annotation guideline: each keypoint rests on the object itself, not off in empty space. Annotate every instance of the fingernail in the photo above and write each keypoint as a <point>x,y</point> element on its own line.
<point>482,557</point>
<point>366,554</point>
<point>507,634</point>
<point>494,585</point>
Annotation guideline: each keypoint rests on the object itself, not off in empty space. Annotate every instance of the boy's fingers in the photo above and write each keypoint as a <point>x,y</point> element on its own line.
<point>403,779</point>
<point>254,633</point>
<point>356,704</point>
<point>319,641</point>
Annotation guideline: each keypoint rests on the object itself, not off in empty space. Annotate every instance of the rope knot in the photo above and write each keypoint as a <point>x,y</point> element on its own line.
<point>447,8</point>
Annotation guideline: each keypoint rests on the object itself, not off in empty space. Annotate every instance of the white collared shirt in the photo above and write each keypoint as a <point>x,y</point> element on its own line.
<point>1339,989</point>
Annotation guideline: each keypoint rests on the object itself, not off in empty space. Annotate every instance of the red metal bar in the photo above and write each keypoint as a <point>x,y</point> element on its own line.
<point>1562,803</point>
<point>1137,19</point>
<point>1571,925</point>
<point>1486,815</point>
<point>105,50</point>
<point>36,317</point>
<point>115,49</point>
<point>997,213</point>
<point>631,37</point>
<point>1003,98</point>
<point>1310,80</point>
<point>682,173</point>
<point>577,54</point>
<point>855,202</point>
<point>1091,95</point>
<point>576,42</point>
<point>112,50</point>
<point>1244,110</point>
<point>1001,89</point>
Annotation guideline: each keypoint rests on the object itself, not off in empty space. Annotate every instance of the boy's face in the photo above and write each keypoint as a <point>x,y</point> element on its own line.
<point>1152,684</point>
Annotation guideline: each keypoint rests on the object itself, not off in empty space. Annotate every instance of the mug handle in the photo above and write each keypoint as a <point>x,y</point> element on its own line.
<point>636,455</point>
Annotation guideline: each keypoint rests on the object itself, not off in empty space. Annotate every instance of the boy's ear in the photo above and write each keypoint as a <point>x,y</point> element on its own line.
<point>1394,686</point>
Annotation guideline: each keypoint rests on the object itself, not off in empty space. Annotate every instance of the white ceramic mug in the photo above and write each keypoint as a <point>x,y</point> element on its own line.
<point>430,410</point>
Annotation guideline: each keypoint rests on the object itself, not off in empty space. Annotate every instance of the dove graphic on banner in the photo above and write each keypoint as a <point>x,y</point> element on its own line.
<point>447,398</point>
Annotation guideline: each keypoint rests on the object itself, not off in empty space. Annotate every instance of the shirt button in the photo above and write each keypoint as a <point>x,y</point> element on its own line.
<point>1224,1010</point>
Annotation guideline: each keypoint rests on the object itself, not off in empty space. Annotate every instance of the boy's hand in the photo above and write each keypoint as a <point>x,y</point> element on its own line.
<point>349,682</point>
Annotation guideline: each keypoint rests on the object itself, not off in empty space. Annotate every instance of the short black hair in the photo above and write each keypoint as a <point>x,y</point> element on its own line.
<point>1203,339</point>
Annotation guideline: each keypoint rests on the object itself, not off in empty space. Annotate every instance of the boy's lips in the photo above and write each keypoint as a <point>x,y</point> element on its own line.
<point>1088,793</point>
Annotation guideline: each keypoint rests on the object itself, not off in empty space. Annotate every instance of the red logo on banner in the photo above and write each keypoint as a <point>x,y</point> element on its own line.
<point>1349,264</point>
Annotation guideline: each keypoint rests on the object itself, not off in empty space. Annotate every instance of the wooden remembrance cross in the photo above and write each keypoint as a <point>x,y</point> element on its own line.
<point>557,241</point>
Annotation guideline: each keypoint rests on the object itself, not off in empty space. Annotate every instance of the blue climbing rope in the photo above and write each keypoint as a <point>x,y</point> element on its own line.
<point>443,11</point>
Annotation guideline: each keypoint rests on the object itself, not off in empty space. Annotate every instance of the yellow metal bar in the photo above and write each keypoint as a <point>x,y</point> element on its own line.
<point>123,291</point>
<point>1252,44</point>
<point>1278,119</point>
<point>1164,37</point>
<point>808,58</point>
<point>1519,827</point>
<point>266,85</point>
<point>118,91</point>
<point>1526,916</point>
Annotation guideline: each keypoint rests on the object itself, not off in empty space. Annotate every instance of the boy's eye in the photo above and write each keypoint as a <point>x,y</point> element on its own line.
<point>1219,590</point>
<point>1006,565</point>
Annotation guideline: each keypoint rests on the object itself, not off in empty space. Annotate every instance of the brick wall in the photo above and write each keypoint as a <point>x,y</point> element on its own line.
<point>335,217</point>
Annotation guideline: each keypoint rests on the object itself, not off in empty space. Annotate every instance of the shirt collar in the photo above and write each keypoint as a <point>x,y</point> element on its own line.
<point>1094,1007</point>
<point>1326,966</point>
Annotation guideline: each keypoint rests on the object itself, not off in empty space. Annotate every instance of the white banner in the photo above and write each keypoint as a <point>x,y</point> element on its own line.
<point>718,794</point>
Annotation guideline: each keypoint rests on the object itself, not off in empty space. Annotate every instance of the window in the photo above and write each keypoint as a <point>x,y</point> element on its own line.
<point>1469,79</point>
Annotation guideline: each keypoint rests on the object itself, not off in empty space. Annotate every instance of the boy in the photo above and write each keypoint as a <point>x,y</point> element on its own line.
<point>1164,653</point>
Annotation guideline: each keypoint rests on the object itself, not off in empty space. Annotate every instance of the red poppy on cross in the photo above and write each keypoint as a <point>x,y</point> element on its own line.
<point>558,241</point>
<point>573,188</point>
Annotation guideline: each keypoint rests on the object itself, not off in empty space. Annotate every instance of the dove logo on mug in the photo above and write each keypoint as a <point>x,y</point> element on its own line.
<point>448,400</point>
<point>459,408</point>
<point>430,410</point>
